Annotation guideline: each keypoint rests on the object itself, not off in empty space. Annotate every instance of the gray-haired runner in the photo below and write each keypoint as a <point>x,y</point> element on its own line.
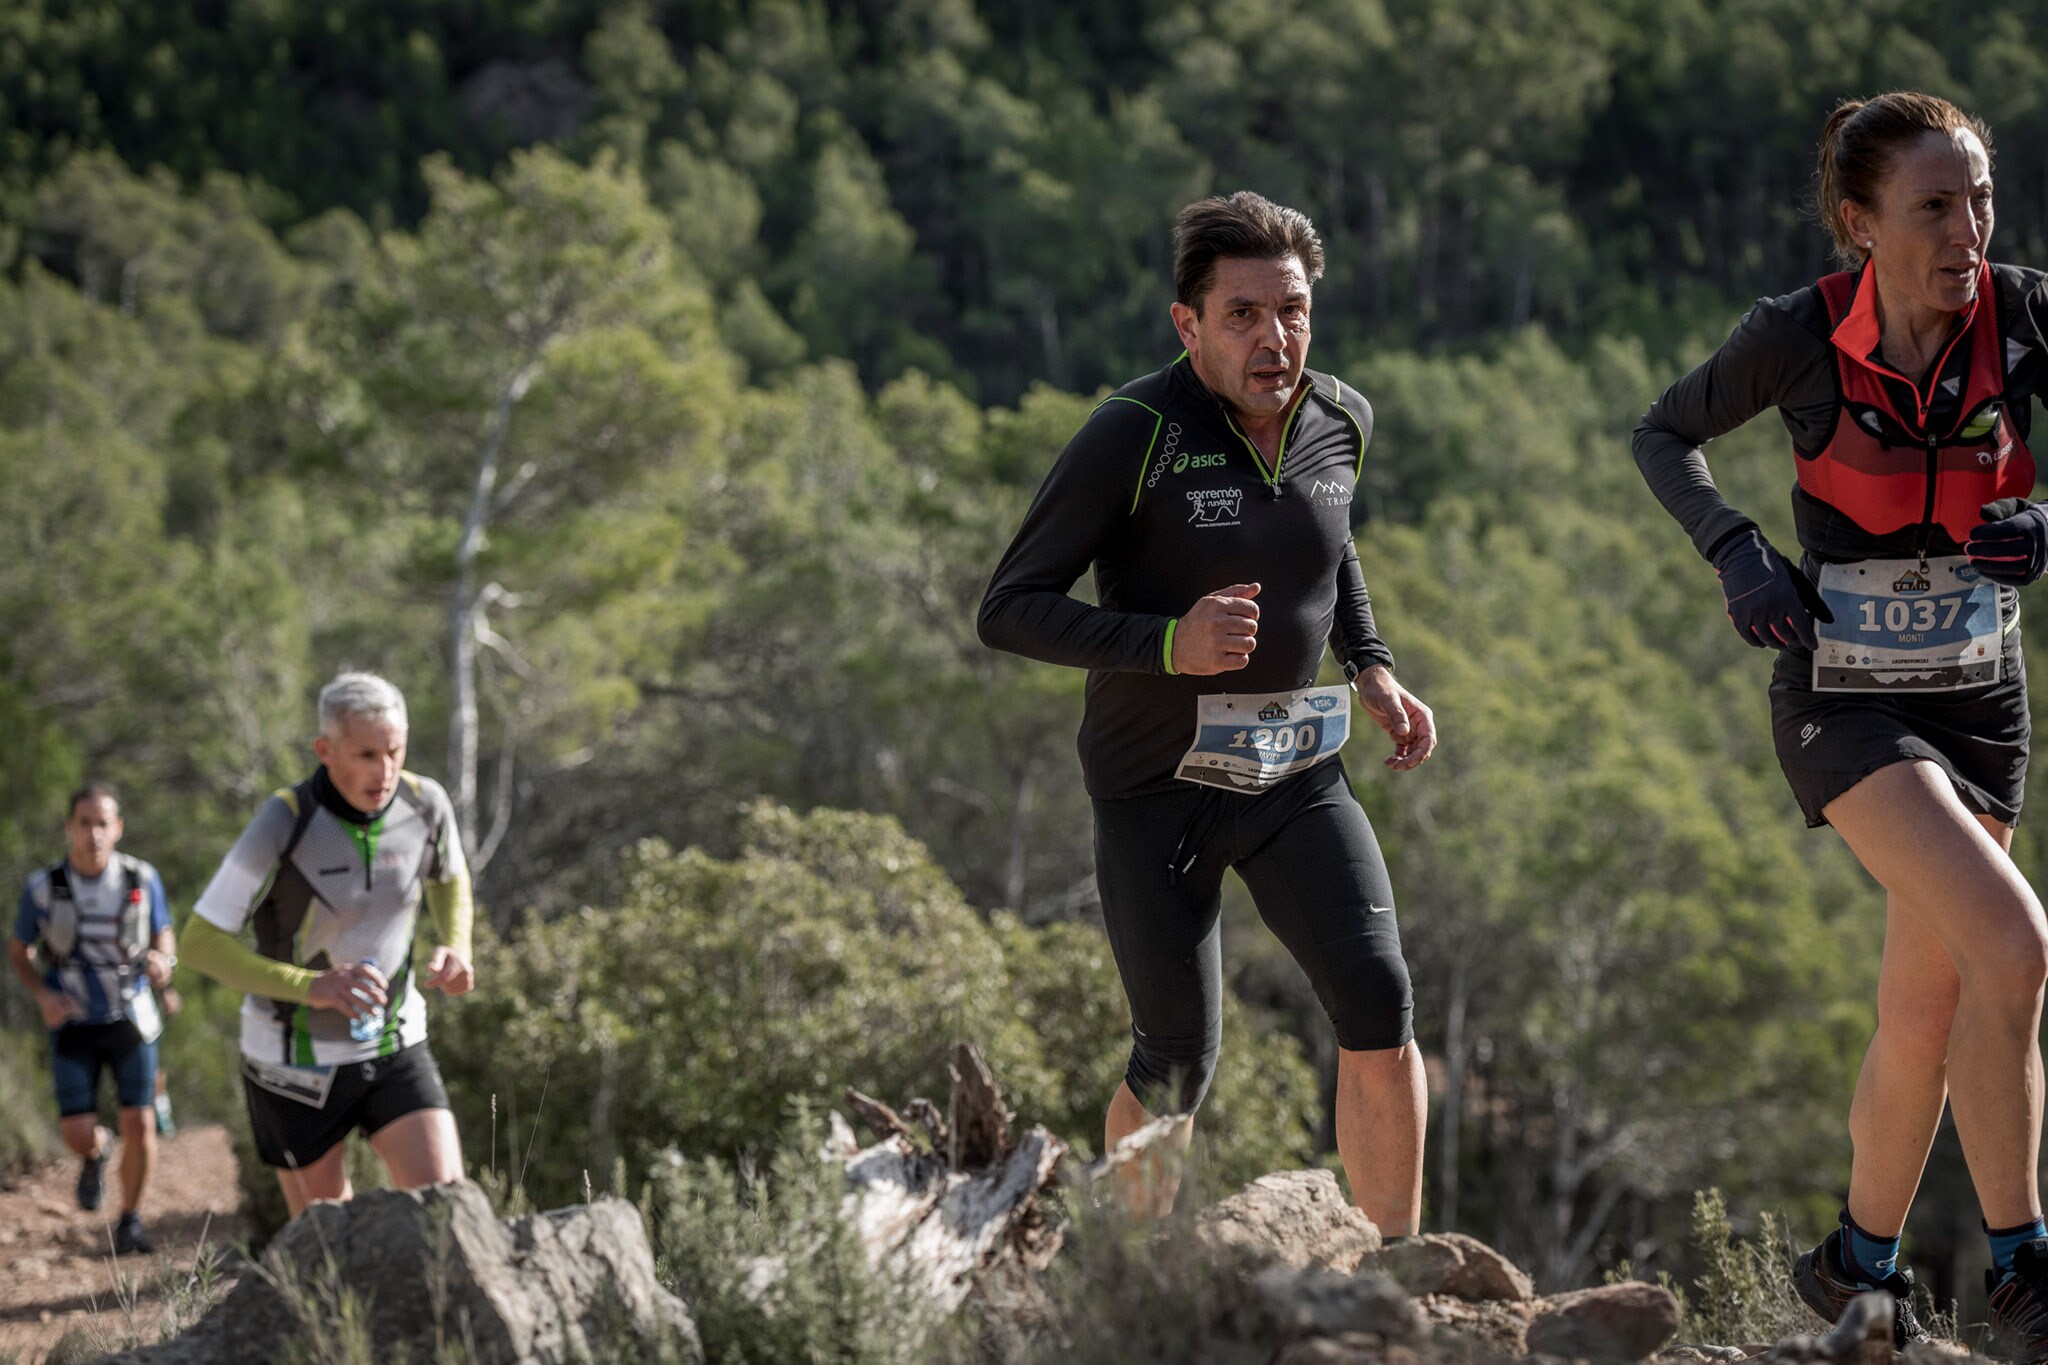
<point>330,876</point>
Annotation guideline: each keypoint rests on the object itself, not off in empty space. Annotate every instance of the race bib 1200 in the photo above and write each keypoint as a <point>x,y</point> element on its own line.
<point>1902,625</point>
<point>1248,741</point>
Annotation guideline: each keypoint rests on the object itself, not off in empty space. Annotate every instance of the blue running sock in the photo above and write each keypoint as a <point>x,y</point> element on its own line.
<point>2005,1241</point>
<point>1874,1258</point>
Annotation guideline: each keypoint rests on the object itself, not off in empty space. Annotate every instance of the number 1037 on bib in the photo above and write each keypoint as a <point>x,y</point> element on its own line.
<point>1900,616</point>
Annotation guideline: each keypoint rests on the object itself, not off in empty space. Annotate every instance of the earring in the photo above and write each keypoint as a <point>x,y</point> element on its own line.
<point>1868,245</point>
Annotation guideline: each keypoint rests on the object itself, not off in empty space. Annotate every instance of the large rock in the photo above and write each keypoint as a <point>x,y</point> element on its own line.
<point>1288,1304</point>
<point>1296,1218</point>
<point>1350,1349</point>
<point>1487,1329</point>
<point>1613,1322</point>
<point>1451,1263</point>
<point>434,1269</point>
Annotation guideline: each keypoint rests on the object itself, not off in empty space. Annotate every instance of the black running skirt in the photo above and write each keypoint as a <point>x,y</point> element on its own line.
<point>1827,742</point>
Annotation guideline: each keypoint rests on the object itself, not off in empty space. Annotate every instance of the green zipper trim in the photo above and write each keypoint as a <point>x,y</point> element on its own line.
<point>365,838</point>
<point>302,1036</point>
<point>1286,435</point>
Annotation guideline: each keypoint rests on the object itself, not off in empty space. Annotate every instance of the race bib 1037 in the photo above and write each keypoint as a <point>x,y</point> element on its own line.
<point>1902,625</point>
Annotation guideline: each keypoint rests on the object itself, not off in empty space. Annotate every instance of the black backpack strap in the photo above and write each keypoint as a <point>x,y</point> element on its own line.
<point>59,880</point>
<point>133,892</point>
<point>303,805</point>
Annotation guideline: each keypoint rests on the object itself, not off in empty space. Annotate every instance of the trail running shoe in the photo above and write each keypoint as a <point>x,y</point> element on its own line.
<point>2019,1305</point>
<point>92,1176</point>
<point>1827,1287</point>
<point>129,1238</point>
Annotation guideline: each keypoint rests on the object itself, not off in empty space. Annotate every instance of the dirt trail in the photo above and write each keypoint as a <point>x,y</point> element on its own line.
<point>55,1270</point>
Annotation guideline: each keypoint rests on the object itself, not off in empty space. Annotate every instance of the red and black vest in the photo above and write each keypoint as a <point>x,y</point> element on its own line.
<point>1886,467</point>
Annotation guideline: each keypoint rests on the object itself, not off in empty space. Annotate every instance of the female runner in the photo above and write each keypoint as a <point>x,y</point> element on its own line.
<point>1898,694</point>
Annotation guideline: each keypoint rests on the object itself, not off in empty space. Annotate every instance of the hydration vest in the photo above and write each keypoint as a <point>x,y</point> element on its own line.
<point>60,924</point>
<point>1883,466</point>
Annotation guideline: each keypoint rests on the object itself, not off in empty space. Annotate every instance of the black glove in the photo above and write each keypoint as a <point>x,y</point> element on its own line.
<point>1771,603</point>
<point>2011,544</point>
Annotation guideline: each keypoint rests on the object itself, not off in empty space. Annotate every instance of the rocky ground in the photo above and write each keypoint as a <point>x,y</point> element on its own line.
<point>1293,1273</point>
<point>56,1273</point>
<point>1284,1272</point>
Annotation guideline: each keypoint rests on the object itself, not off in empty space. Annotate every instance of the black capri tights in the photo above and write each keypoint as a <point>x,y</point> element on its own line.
<point>1307,853</point>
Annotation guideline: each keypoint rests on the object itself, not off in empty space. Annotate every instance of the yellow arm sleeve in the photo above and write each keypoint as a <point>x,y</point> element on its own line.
<point>210,949</point>
<point>453,912</point>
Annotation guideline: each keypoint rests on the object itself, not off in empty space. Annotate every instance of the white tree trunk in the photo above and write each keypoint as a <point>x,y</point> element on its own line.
<point>465,611</point>
<point>942,1215</point>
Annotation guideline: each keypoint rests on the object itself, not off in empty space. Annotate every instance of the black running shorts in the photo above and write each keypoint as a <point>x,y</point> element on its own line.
<point>1827,742</point>
<point>1308,856</point>
<point>368,1095</point>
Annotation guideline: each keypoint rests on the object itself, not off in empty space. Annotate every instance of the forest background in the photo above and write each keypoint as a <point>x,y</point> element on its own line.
<point>649,390</point>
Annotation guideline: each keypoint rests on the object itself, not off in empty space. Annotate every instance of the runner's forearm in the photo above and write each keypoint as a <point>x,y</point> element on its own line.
<point>1053,628</point>
<point>24,967</point>
<point>214,952</point>
<point>452,911</point>
<point>1749,374</point>
<point>1354,637</point>
<point>1676,471</point>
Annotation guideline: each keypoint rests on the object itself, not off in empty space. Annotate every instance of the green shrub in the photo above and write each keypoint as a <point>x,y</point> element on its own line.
<point>28,1131</point>
<point>716,994</point>
<point>1745,1292</point>
<point>771,1270</point>
<point>1124,1291</point>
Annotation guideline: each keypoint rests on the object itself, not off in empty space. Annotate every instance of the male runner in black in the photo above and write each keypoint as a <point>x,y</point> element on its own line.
<point>1212,499</point>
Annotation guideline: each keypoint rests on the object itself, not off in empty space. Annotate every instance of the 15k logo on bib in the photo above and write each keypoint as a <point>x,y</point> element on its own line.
<point>1904,626</point>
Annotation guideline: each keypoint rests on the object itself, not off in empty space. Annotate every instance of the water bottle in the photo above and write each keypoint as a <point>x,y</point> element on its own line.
<point>365,1027</point>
